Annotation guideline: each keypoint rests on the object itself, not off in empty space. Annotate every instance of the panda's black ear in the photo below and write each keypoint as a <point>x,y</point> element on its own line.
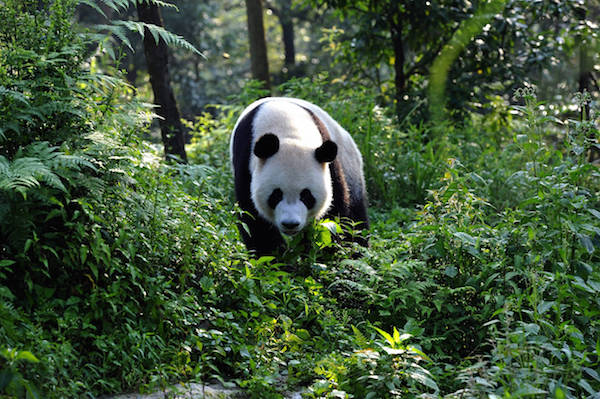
<point>266,146</point>
<point>326,152</point>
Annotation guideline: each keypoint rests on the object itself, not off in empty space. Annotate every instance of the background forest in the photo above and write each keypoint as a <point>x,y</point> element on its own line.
<point>121,269</point>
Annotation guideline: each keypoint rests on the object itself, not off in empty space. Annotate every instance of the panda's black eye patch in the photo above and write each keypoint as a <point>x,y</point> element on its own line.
<point>308,199</point>
<point>275,198</point>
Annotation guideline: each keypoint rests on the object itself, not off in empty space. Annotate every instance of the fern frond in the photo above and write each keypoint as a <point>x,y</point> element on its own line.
<point>51,180</point>
<point>4,166</point>
<point>359,337</point>
<point>92,4</point>
<point>117,31</point>
<point>104,81</point>
<point>63,161</point>
<point>36,164</point>
<point>122,5</point>
<point>158,32</point>
<point>160,3</point>
<point>118,5</point>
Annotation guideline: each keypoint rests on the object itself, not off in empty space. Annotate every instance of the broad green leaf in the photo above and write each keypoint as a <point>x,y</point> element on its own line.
<point>465,238</point>
<point>587,243</point>
<point>27,356</point>
<point>451,271</point>
<point>586,385</point>
<point>385,335</point>
<point>528,389</point>
<point>544,306</point>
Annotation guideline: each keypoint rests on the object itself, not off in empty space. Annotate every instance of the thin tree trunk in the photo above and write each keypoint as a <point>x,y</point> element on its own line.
<point>585,75</point>
<point>284,14</point>
<point>157,58</point>
<point>585,85</point>
<point>258,45</point>
<point>399,60</point>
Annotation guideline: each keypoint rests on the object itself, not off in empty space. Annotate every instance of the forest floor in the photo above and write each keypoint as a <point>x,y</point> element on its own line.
<point>197,391</point>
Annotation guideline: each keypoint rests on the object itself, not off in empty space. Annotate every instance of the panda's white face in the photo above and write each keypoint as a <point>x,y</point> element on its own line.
<point>291,182</point>
<point>291,187</point>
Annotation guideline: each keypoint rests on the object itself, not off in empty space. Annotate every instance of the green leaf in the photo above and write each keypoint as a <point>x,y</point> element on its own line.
<point>559,393</point>
<point>27,356</point>
<point>92,4</point>
<point>465,238</point>
<point>451,271</point>
<point>421,375</point>
<point>385,335</point>
<point>544,306</point>
<point>337,394</point>
<point>396,335</point>
<point>94,269</point>
<point>587,243</point>
<point>528,389</point>
<point>594,212</point>
<point>593,373</point>
<point>586,385</point>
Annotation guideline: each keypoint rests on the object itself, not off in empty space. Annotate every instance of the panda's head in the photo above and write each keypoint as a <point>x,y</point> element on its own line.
<point>291,182</point>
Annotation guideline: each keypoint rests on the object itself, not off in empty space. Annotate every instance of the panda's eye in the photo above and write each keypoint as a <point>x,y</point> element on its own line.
<point>275,198</point>
<point>308,199</point>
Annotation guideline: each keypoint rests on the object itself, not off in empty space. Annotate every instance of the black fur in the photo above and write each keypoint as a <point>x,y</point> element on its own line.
<point>275,198</point>
<point>307,198</point>
<point>260,236</point>
<point>326,152</point>
<point>266,146</point>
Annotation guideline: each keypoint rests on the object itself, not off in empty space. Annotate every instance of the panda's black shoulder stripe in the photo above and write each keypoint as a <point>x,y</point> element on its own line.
<point>261,235</point>
<point>242,145</point>
<point>341,194</point>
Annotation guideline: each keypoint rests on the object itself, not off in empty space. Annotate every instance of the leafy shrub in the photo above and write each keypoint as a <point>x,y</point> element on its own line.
<point>98,238</point>
<point>389,369</point>
<point>12,381</point>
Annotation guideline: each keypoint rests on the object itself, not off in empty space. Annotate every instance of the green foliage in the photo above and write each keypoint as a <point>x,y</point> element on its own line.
<point>392,46</point>
<point>83,223</point>
<point>157,32</point>
<point>119,272</point>
<point>452,49</point>
<point>389,369</point>
<point>12,381</point>
<point>117,29</point>
<point>41,92</point>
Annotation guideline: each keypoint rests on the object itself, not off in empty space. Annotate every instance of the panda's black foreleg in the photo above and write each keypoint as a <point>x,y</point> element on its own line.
<point>260,236</point>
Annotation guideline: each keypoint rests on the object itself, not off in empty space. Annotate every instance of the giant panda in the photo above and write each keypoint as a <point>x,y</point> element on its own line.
<point>292,163</point>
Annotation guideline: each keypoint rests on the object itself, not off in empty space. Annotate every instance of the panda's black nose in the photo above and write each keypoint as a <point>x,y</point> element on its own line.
<point>290,225</point>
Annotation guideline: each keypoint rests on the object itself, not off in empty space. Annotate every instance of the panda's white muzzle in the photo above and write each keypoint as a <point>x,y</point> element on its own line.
<point>290,218</point>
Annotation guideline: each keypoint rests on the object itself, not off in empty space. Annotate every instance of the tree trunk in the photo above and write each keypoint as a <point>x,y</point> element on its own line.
<point>586,79</point>
<point>399,60</point>
<point>287,27</point>
<point>285,16</point>
<point>157,58</point>
<point>258,45</point>
<point>585,76</point>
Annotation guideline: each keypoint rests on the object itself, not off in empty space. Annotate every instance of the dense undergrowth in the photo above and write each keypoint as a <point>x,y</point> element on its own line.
<point>120,272</point>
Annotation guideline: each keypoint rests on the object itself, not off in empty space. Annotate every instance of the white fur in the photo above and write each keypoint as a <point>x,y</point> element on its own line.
<point>294,167</point>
